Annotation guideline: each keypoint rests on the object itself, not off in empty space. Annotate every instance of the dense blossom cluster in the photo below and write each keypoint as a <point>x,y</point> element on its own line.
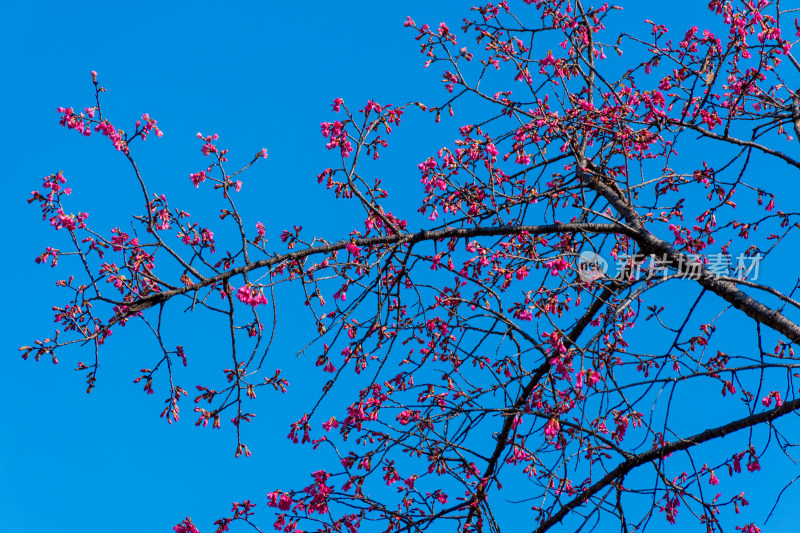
<point>251,296</point>
<point>474,354</point>
<point>91,115</point>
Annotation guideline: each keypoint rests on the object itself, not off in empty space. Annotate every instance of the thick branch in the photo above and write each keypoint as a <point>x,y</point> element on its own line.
<point>659,453</point>
<point>728,291</point>
<point>796,113</point>
<point>569,341</point>
<point>406,238</point>
<point>738,142</point>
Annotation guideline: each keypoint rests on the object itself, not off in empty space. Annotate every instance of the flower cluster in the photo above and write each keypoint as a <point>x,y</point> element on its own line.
<point>337,136</point>
<point>556,265</point>
<point>198,178</point>
<point>209,147</point>
<point>149,126</point>
<point>114,135</point>
<point>186,526</point>
<point>73,121</point>
<point>251,296</point>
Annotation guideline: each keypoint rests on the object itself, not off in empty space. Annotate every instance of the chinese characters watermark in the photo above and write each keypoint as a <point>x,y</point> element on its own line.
<point>592,267</point>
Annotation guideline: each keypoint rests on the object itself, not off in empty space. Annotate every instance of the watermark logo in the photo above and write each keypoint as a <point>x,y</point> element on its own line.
<point>591,266</point>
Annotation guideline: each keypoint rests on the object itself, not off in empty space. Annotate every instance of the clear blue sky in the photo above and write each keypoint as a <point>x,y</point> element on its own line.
<point>261,74</point>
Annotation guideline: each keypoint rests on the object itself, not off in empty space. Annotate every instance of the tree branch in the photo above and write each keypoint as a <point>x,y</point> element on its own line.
<point>662,452</point>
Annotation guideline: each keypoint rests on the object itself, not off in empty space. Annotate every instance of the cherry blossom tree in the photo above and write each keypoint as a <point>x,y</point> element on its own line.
<point>535,342</point>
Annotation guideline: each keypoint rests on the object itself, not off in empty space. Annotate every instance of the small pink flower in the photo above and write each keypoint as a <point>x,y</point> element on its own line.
<point>198,178</point>
<point>330,424</point>
<point>556,266</point>
<point>285,503</point>
<point>186,526</point>
<point>551,428</point>
<point>272,499</point>
<point>251,296</point>
<point>354,250</point>
<point>749,528</point>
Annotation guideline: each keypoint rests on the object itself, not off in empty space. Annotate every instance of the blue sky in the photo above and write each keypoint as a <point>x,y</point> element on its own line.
<point>260,74</point>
